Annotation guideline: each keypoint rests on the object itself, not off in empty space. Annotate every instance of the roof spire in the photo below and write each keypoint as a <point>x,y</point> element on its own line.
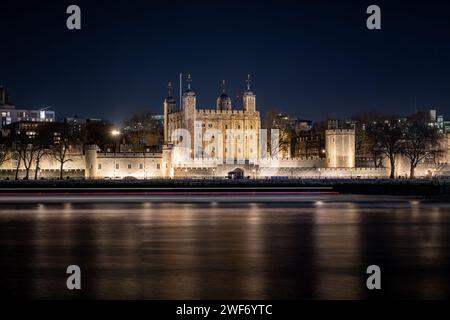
<point>188,81</point>
<point>170,88</point>
<point>249,81</point>
<point>223,86</point>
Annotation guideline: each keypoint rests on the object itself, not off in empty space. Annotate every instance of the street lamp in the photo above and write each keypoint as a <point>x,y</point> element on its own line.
<point>115,134</point>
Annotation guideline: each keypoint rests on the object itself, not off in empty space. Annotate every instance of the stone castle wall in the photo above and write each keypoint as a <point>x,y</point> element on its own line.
<point>340,148</point>
<point>127,165</point>
<point>49,168</point>
<point>323,173</point>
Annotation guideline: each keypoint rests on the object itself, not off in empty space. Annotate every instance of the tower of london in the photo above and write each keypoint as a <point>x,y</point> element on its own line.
<point>215,133</point>
<point>220,141</point>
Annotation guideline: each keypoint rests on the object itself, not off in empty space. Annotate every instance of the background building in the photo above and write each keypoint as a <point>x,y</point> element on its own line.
<point>9,114</point>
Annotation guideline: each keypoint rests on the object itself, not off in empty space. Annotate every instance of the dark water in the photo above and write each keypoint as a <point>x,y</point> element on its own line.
<point>316,249</point>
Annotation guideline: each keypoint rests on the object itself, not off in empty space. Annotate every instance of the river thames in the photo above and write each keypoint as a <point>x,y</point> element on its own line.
<point>316,247</point>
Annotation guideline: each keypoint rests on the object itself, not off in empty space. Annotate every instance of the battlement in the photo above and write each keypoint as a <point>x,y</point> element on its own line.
<point>225,112</point>
<point>128,155</point>
<point>340,131</point>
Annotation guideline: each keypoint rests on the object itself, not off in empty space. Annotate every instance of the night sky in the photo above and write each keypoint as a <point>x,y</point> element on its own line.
<point>312,59</point>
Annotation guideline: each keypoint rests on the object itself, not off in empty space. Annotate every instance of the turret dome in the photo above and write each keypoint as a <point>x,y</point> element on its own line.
<point>223,101</point>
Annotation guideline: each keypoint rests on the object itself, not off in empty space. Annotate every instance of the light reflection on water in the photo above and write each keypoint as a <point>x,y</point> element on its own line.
<point>317,249</point>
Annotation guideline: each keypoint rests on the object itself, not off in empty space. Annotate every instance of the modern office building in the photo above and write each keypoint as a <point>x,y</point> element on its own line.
<point>10,114</point>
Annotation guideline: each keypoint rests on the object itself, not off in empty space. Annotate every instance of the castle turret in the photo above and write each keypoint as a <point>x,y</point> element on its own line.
<point>90,158</point>
<point>170,105</point>
<point>340,148</point>
<point>189,97</point>
<point>249,97</point>
<point>166,163</point>
<point>223,101</point>
<point>189,108</point>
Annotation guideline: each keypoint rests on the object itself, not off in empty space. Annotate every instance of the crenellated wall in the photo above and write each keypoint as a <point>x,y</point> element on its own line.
<point>322,173</point>
<point>226,112</point>
<point>170,164</point>
<point>49,167</point>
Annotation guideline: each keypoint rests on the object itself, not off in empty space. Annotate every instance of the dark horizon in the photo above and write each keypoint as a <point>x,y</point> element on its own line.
<point>311,61</point>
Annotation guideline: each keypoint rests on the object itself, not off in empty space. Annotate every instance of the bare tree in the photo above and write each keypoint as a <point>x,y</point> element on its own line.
<point>41,142</point>
<point>39,154</point>
<point>5,154</point>
<point>16,156</point>
<point>27,154</point>
<point>372,147</point>
<point>59,153</point>
<point>420,142</point>
<point>387,140</point>
<point>367,144</point>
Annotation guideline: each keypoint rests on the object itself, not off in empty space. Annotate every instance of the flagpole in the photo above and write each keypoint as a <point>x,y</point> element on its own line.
<point>181,85</point>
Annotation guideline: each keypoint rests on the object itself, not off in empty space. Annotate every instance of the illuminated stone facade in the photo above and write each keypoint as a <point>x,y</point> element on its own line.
<point>208,143</point>
<point>220,133</point>
<point>340,148</point>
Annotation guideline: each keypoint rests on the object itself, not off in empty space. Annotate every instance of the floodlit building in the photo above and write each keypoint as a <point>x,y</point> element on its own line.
<point>213,133</point>
<point>340,148</point>
<point>210,142</point>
